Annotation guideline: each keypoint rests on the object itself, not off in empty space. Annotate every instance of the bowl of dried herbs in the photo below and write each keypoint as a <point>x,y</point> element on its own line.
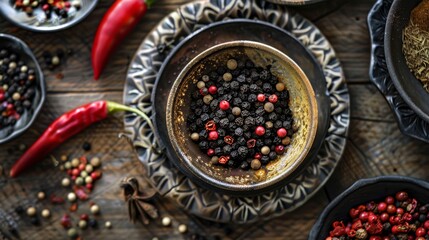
<point>406,45</point>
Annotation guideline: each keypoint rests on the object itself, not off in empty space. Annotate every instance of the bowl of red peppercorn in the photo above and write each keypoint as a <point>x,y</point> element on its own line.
<point>241,117</point>
<point>44,15</point>
<point>22,87</point>
<point>388,207</point>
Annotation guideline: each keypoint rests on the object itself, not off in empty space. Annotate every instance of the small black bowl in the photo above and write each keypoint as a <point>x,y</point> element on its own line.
<point>232,30</point>
<point>364,191</point>
<point>408,86</point>
<point>27,118</point>
<point>32,23</point>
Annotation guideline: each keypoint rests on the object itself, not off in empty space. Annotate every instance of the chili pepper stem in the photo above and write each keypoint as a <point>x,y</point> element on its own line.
<point>149,2</point>
<point>113,107</point>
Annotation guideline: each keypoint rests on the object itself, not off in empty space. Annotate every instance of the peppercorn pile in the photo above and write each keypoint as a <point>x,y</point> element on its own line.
<point>59,7</point>
<point>240,115</point>
<point>401,218</point>
<point>83,174</point>
<point>17,82</point>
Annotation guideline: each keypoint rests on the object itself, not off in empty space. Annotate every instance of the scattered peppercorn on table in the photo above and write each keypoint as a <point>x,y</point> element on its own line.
<point>375,145</point>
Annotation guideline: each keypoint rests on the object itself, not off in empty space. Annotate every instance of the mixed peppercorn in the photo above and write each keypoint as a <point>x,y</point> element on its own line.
<point>83,174</point>
<point>17,87</point>
<point>60,8</point>
<point>240,115</point>
<point>398,217</point>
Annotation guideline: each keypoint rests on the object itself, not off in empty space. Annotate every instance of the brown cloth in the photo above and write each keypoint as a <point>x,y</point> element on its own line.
<point>420,15</point>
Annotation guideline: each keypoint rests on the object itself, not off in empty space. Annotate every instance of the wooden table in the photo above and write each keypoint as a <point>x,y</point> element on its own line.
<point>375,145</point>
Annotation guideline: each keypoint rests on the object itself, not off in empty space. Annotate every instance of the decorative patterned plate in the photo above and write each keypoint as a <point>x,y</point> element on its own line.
<point>38,21</point>
<point>409,122</point>
<point>173,184</point>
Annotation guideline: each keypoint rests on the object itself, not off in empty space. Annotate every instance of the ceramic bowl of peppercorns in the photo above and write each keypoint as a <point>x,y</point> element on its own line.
<point>407,53</point>
<point>381,208</point>
<point>22,87</point>
<point>46,15</point>
<point>241,117</point>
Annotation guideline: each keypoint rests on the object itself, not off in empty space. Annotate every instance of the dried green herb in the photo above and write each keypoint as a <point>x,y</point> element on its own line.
<point>416,51</point>
<point>139,209</point>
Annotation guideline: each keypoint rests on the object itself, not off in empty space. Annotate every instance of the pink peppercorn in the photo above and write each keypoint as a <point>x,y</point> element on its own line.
<point>273,98</point>
<point>213,89</point>
<point>213,135</point>
<point>224,105</point>
<point>260,130</point>
<point>261,97</point>
<point>282,133</point>
<point>280,149</point>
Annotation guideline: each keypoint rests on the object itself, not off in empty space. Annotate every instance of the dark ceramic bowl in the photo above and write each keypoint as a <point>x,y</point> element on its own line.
<point>302,103</point>
<point>33,23</point>
<point>239,29</point>
<point>27,118</point>
<point>408,86</point>
<point>361,192</point>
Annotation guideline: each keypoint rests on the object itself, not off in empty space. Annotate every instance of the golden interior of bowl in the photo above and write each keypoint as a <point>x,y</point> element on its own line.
<point>302,103</point>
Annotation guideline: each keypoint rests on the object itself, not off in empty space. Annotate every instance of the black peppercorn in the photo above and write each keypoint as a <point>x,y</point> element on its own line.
<point>268,141</point>
<point>203,134</point>
<point>259,120</point>
<point>239,121</point>
<point>86,146</point>
<point>213,75</point>
<point>234,155</point>
<point>231,117</point>
<point>264,75</point>
<point>232,126</point>
<point>259,143</point>
<point>251,98</point>
<point>212,144</point>
<point>218,151</point>
<point>241,78</point>
<point>220,114</point>
<point>265,159</point>
<point>272,117</point>
<point>204,145</point>
<point>272,155</point>
<point>287,124</point>
<point>245,113</point>
<point>244,165</point>
<point>236,101</point>
<point>245,105</point>
<point>205,117</point>
<point>242,151</point>
<point>227,149</point>
<point>221,132</point>
<point>231,163</point>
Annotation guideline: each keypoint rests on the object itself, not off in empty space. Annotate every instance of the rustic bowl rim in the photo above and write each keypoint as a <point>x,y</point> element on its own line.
<point>51,28</point>
<point>191,169</point>
<point>391,28</point>
<point>360,184</point>
<point>41,82</point>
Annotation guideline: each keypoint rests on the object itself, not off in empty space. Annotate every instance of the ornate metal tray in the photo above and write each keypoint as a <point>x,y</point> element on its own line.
<point>409,122</point>
<point>173,184</point>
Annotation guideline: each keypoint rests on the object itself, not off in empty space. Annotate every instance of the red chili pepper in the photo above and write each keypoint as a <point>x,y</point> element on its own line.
<point>66,126</point>
<point>118,21</point>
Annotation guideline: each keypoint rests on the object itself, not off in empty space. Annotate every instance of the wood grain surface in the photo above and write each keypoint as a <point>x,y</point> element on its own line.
<point>375,144</point>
